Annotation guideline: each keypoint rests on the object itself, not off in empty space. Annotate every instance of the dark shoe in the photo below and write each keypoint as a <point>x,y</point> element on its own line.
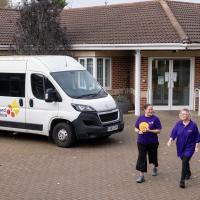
<point>140,179</point>
<point>187,177</point>
<point>155,172</point>
<point>182,184</point>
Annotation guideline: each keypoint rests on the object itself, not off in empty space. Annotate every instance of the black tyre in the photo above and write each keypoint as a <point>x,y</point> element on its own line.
<point>63,135</point>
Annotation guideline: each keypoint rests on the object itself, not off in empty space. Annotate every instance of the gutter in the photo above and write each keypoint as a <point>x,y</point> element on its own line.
<point>6,47</point>
<point>193,46</point>
<point>153,46</point>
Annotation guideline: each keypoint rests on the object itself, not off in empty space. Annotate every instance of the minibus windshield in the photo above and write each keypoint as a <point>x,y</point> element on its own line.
<point>79,84</point>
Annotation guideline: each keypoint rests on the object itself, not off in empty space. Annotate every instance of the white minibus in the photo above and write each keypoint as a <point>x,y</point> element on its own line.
<point>55,96</point>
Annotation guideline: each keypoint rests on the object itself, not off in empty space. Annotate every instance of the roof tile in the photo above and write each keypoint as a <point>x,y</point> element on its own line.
<point>130,23</point>
<point>188,15</point>
<point>134,23</point>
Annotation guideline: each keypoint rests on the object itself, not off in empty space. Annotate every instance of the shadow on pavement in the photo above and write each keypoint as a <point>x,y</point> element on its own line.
<point>23,136</point>
<point>87,143</point>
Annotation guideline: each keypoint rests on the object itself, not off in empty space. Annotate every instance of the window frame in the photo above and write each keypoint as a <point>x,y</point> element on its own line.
<point>85,64</point>
<point>44,84</point>
<point>95,68</point>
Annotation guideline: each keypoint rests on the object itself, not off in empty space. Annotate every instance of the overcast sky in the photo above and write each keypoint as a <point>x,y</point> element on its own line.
<point>82,3</point>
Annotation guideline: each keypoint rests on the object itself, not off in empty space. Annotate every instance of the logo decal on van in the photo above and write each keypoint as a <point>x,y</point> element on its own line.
<point>12,110</point>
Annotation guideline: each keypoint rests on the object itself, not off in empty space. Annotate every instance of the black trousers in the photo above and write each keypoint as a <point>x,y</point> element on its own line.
<point>185,167</point>
<point>144,149</point>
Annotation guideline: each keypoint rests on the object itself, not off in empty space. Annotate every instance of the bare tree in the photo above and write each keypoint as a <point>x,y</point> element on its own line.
<point>3,3</point>
<point>39,30</point>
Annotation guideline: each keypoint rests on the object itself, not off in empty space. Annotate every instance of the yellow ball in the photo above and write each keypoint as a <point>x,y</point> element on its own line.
<point>143,126</point>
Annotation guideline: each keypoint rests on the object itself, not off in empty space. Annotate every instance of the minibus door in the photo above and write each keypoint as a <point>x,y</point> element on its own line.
<point>39,112</point>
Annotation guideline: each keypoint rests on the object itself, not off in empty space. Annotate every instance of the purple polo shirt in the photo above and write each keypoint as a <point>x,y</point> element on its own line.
<point>148,137</point>
<point>186,138</point>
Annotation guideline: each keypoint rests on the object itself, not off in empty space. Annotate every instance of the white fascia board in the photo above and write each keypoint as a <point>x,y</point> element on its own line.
<point>193,46</point>
<point>5,47</point>
<point>153,46</point>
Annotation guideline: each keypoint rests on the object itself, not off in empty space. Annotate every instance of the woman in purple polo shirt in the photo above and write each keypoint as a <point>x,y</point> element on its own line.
<point>187,138</point>
<point>147,126</point>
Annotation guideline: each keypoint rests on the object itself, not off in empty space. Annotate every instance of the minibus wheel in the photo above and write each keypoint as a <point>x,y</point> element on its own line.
<point>63,135</point>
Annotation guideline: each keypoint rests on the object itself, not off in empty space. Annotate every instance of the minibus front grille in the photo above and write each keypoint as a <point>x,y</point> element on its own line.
<point>109,117</point>
<point>91,123</point>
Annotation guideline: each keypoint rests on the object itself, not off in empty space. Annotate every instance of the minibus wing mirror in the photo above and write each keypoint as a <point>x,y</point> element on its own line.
<point>50,95</point>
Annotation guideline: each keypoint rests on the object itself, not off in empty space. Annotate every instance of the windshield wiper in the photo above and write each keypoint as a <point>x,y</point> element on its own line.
<point>98,92</point>
<point>86,95</point>
<point>90,95</point>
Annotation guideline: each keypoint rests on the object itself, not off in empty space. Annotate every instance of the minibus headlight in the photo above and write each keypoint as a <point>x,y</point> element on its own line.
<point>82,108</point>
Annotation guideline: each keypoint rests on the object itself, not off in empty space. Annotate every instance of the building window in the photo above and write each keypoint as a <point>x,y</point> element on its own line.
<point>88,64</point>
<point>107,72</point>
<point>100,69</point>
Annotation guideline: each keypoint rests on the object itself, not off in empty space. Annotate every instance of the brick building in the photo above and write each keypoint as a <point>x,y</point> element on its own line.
<point>147,51</point>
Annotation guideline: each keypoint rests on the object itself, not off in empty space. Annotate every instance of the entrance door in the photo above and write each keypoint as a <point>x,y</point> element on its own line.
<point>171,84</point>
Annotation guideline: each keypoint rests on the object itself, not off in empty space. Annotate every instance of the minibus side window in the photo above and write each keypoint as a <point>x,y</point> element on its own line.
<point>12,85</point>
<point>40,84</point>
<point>37,84</point>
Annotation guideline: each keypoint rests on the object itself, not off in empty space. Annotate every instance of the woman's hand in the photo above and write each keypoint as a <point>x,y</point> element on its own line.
<point>196,148</point>
<point>140,132</point>
<point>147,130</point>
<point>169,142</point>
<point>156,131</point>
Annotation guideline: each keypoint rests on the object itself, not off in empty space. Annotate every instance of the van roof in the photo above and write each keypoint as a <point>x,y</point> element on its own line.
<point>52,63</point>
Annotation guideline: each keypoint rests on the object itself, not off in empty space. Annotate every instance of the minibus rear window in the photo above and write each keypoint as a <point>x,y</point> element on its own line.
<point>12,84</point>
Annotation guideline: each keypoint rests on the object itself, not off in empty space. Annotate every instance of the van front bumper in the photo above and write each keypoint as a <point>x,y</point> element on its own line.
<point>89,125</point>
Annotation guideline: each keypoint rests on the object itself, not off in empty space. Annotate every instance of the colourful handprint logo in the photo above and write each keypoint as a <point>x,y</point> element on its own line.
<point>13,109</point>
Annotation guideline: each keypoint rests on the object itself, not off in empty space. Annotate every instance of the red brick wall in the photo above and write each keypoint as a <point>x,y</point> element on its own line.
<point>143,102</point>
<point>144,74</point>
<point>132,73</point>
<point>120,72</point>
